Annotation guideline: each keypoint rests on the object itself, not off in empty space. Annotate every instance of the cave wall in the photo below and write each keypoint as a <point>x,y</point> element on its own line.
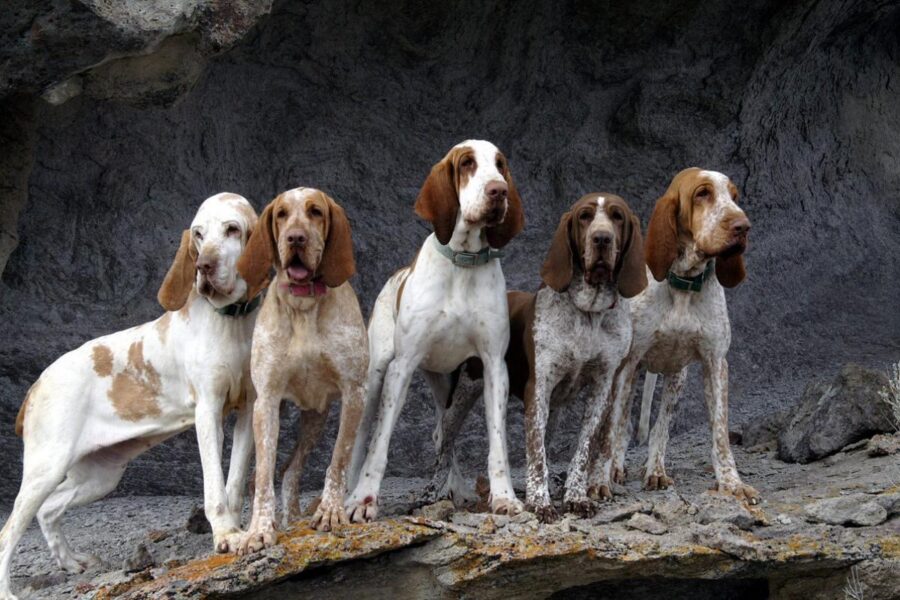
<point>797,102</point>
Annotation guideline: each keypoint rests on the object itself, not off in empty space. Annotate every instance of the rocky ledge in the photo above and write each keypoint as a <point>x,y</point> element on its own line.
<point>822,527</point>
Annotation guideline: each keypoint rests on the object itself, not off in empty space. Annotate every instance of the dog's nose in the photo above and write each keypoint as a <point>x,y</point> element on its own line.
<point>206,265</point>
<point>296,238</point>
<point>496,191</point>
<point>740,226</point>
<point>602,238</point>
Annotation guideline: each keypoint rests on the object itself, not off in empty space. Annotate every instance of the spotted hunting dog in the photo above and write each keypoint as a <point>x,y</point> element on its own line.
<point>99,406</point>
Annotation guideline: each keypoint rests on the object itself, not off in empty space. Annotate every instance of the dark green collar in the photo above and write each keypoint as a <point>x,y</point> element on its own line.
<point>691,284</point>
<point>467,259</point>
<point>240,309</point>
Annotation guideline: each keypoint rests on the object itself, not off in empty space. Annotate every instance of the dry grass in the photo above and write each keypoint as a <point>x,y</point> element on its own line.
<point>891,394</point>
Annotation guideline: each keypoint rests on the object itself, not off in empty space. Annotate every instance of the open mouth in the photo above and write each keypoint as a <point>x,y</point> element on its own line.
<point>297,272</point>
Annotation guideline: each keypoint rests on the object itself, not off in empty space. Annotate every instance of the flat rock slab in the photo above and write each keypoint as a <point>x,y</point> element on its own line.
<point>299,549</point>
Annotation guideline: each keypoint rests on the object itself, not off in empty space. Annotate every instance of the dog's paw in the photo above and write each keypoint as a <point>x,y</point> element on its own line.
<point>583,507</point>
<point>363,511</point>
<point>329,514</point>
<point>658,480</point>
<point>619,475</point>
<point>227,542</point>
<point>742,492</point>
<point>544,512</point>
<point>507,506</point>
<point>78,562</point>
<point>256,539</point>
<point>600,493</point>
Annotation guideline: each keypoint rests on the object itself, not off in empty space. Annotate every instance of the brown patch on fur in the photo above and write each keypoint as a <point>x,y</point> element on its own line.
<point>558,270</point>
<point>661,247</point>
<point>438,200</point>
<point>412,267</point>
<point>337,264</point>
<point>514,221</point>
<point>20,418</point>
<point>179,281</point>
<point>162,327</point>
<point>135,390</point>
<point>103,360</point>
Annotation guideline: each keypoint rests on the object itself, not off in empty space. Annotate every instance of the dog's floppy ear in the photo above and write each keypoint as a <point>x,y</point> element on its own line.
<point>558,269</point>
<point>337,264</point>
<point>173,292</point>
<point>438,201</point>
<point>730,270</point>
<point>661,247</point>
<point>514,221</point>
<point>260,254</point>
<point>632,276</point>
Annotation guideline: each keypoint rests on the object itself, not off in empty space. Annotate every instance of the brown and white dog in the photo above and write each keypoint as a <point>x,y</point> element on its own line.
<point>309,346</point>
<point>695,241</point>
<point>569,336</point>
<point>99,406</point>
<point>446,307</point>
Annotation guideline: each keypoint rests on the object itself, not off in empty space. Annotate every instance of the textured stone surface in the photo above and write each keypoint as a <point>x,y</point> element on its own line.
<point>796,101</point>
<point>858,510</point>
<point>833,414</point>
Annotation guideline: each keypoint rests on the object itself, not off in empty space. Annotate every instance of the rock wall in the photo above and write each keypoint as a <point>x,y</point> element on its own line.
<point>797,102</point>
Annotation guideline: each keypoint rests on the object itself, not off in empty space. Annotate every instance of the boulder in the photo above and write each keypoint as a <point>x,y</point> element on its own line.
<point>832,415</point>
<point>857,510</point>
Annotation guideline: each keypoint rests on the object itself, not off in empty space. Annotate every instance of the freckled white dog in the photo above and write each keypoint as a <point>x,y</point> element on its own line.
<point>101,405</point>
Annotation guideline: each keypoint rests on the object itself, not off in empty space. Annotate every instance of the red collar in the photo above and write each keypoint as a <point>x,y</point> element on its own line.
<point>312,288</point>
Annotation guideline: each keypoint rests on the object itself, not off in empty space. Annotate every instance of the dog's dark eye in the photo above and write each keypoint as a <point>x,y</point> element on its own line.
<point>500,165</point>
<point>198,235</point>
<point>281,214</point>
<point>315,211</point>
<point>232,230</point>
<point>467,162</point>
<point>586,216</point>
<point>617,216</point>
<point>703,194</point>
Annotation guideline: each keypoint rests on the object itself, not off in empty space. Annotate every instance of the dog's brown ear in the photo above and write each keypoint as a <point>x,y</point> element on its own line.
<point>558,268</point>
<point>260,254</point>
<point>173,292</point>
<point>337,264</point>
<point>514,221</point>
<point>730,271</point>
<point>438,201</point>
<point>661,247</point>
<point>632,276</point>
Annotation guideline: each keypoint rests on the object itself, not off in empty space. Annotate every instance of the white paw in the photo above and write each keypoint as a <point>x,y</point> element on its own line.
<point>506,506</point>
<point>78,562</point>
<point>227,542</point>
<point>363,511</point>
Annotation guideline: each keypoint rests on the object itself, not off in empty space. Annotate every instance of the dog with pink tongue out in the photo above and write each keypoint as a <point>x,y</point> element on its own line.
<point>309,347</point>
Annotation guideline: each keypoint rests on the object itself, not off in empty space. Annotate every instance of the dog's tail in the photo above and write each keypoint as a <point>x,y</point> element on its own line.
<point>646,402</point>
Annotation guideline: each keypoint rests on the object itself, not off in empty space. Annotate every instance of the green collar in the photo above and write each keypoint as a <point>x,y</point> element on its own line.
<point>240,309</point>
<point>467,259</point>
<point>691,284</point>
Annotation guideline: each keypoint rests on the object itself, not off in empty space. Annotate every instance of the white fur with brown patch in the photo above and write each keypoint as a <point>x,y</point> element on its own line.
<point>445,315</point>
<point>99,406</point>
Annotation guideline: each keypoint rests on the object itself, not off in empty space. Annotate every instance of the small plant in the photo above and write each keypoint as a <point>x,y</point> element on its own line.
<point>890,394</point>
<point>854,589</point>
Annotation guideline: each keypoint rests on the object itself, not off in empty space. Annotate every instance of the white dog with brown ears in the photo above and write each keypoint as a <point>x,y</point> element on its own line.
<point>101,405</point>
<point>446,307</point>
<point>309,346</point>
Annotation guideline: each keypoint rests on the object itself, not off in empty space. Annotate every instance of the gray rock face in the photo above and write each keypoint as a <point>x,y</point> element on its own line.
<point>857,510</point>
<point>833,415</point>
<point>795,101</point>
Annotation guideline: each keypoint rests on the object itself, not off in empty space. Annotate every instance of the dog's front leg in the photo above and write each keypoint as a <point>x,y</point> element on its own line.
<point>496,396</point>
<point>225,526</point>
<point>655,477</point>
<point>331,512</point>
<point>576,498</point>
<point>715,386</point>
<point>261,533</point>
<point>241,451</point>
<point>537,487</point>
<point>607,437</point>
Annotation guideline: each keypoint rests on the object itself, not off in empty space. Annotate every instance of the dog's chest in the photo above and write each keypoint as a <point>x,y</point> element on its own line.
<point>574,344</point>
<point>311,379</point>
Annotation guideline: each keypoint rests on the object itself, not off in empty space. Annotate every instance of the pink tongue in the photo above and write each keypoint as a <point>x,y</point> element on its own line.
<point>297,273</point>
